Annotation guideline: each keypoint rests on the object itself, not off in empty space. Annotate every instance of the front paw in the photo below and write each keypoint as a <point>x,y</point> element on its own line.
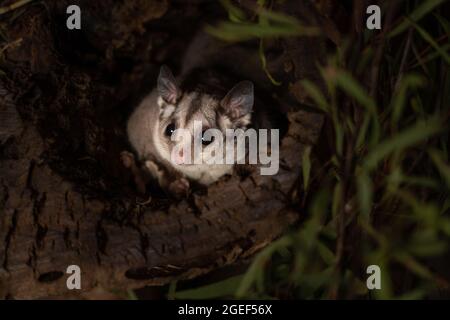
<point>127,159</point>
<point>179,187</point>
<point>129,162</point>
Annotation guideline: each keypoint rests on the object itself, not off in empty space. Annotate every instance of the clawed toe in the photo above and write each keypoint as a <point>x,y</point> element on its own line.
<point>127,159</point>
<point>179,187</point>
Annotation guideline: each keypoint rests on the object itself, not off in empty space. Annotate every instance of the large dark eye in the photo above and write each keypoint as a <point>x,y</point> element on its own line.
<point>206,142</point>
<point>169,129</point>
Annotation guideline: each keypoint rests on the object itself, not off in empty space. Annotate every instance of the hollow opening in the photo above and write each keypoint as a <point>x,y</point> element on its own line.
<point>50,276</point>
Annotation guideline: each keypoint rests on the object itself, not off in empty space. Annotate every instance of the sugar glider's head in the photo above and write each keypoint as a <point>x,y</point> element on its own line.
<point>201,99</point>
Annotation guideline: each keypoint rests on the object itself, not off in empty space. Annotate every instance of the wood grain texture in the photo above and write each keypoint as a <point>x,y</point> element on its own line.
<point>51,218</point>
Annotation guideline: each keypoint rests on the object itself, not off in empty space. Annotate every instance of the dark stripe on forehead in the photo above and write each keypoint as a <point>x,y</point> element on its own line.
<point>194,106</point>
<point>207,81</point>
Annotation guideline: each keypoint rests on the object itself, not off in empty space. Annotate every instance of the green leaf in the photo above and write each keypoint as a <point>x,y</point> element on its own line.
<point>278,17</point>
<point>316,95</point>
<point>231,31</point>
<point>319,206</point>
<point>398,103</point>
<point>422,10</point>
<point>14,6</point>
<point>235,14</point>
<point>365,193</point>
<point>428,38</point>
<point>326,254</point>
<point>386,291</point>
<point>443,168</point>
<point>413,265</point>
<point>444,23</point>
<point>256,270</point>
<point>263,59</point>
<point>429,249</point>
<point>172,290</point>
<point>221,289</point>
<point>431,56</point>
<point>337,195</point>
<point>131,295</point>
<point>306,167</point>
<point>316,280</point>
<point>339,132</point>
<point>355,90</point>
<point>416,294</point>
<point>418,106</point>
<point>426,182</point>
<point>362,134</point>
<point>445,226</point>
<point>407,138</point>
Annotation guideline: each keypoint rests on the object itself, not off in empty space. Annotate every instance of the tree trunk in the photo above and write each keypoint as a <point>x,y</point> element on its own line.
<point>64,197</point>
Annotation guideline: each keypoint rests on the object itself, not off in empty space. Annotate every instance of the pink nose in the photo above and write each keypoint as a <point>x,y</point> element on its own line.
<point>180,157</point>
<point>180,154</point>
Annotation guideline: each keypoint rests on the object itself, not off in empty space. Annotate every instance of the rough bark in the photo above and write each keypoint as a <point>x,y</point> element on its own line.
<point>63,198</point>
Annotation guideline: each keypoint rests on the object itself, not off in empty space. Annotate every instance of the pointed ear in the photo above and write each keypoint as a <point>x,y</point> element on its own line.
<point>167,86</point>
<point>239,101</point>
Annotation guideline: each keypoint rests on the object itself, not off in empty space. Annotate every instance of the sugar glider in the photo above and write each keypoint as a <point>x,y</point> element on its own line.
<point>215,100</point>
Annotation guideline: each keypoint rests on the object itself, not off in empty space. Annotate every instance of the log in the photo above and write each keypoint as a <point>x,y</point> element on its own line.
<point>66,200</point>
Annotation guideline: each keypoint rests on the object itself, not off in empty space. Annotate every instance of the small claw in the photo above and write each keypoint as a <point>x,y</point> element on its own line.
<point>127,159</point>
<point>179,187</point>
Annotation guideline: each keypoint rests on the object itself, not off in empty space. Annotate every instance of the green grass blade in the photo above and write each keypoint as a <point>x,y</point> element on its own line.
<point>443,168</point>
<point>421,11</point>
<point>316,95</point>
<point>346,82</point>
<point>365,193</point>
<point>398,103</point>
<point>428,38</point>
<point>306,167</point>
<point>444,23</point>
<point>224,288</point>
<point>407,138</point>
<point>263,59</point>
